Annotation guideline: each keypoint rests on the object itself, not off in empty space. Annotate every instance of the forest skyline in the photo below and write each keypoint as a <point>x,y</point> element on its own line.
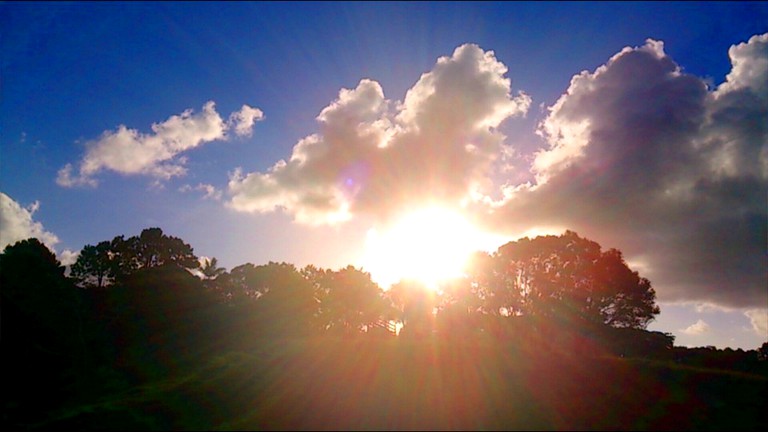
<point>323,135</point>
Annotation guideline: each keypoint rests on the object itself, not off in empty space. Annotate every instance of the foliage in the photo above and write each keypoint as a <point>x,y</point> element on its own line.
<point>161,316</point>
<point>277,298</point>
<point>349,301</point>
<point>491,287</point>
<point>417,304</point>
<point>43,333</point>
<point>36,293</point>
<point>210,269</point>
<point>553,324</point>
<point>571,279</point>
<point>95,266</point>
<point>152,248</point>
<point>763,351</point>
<point>101,265</point>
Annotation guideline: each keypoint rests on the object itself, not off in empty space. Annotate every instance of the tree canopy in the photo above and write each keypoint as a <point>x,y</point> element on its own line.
<point>141,310</point>
<point>566,278</point>
<point>349,301</point>
<point>101,265</point>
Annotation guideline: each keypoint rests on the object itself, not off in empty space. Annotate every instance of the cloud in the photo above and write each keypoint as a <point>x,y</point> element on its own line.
<point>16,224</point>
<point>759,320</point>
<point>209,191</point>
<point>242,121</point>
<point>157,154</point>
<point>750,66</point>
<point>638,155</point>
<point>710,307</point>
<point>646,158</point>
<point>698,328</point>
<point>68,257</point>
<point>372,155</point>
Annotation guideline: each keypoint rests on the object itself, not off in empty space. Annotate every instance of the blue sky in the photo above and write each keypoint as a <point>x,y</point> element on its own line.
<point>657,150</point>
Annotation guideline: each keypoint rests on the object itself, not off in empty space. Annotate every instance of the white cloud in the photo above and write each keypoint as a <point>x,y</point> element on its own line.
<point>130,152</point>
<point>65,179</point>
<point>242,121</point>
<point>646,158</point>
<point>759,320</point>
<point>209,191</point>
<point>371,155</point>
<point>698,328</point>
<point>711,308</point>
<point>750,66</point>
<point>68,257</point>
<point>16,224</point>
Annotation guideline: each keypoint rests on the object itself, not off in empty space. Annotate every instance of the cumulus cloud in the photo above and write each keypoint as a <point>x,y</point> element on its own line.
<point>242,121</point>
<point>16,224</point>
<point>372,155</point>
<point>646,158</point>
<point>637,154</point>
<point>698,328</point>
<point>209,191</point>
<point>68,257</point>
<point>157,154</point>
<point>759,320</point>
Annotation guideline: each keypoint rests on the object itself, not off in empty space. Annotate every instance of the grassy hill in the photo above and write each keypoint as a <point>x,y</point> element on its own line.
<point>395,385</point>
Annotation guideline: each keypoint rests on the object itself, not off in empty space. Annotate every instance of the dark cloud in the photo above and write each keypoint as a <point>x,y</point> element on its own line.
<point>646,158</point>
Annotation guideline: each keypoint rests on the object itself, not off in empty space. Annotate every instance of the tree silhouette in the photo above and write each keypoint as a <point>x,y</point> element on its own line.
<point>100,265</point>
<point>762,352</point>
<point>158,337</point>
<point>216,279</point>
<point>417,304</point>
<point>163,316</point>
<point>461,306</point>
<point>211,270</point>
<point>95,266</point>
<point>569,278</point>
<point>35,289</point>
<point>43,330</point>
<point>489,291</point>
<point>244,282</point>
<point>152,248</point>
<point>349,300</point>
<point>279,300</point>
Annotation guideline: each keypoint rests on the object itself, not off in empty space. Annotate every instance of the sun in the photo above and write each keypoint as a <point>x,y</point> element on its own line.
<point>430,245</point>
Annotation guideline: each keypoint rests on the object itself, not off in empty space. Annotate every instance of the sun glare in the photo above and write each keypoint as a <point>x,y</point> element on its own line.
<point>431,245</point>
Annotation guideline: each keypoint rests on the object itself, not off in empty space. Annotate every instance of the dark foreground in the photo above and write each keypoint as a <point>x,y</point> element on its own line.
<point>395,385</point>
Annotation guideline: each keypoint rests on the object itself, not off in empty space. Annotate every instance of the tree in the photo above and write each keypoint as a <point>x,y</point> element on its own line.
<point>35,290</point>
<point>216,279</point>
<point>762,352</point>
<point>244,282</point>
<point>164,316</point>
<point>488,292</point>
<point>211,269</point>
<point>43,334</point>
<point>279,300</point>
<point>28,267</point>
<point>109,261</point>
<point>570,279</point>
<point>152,248</point>
<point>417,304</point>
<point>349,300</point>
<point>95,266</point>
